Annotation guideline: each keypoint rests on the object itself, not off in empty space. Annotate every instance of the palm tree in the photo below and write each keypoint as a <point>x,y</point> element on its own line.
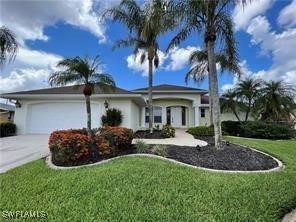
<point>247,92</point>
<point>198,62</point>
<point>145,25</point>
<point>229,102</point>
<point>276,101</point>
<point>8,46</point>
<point>213,19</point>
<point>82,71</point>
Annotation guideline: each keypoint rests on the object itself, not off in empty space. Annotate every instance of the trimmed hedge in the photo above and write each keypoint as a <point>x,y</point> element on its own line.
<point>258,129</point>
<point>201,131</point>
<point>76,147</point>
<point>7,129</point>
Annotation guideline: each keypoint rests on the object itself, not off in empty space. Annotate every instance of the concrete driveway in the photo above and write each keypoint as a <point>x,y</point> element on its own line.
<point>18,150</point>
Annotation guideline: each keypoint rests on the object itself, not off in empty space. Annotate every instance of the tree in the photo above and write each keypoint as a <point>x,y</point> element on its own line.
<point>229,102</point>
<point>8,46</point>
<point>247,92</point>
<point>82,71</point>
<point>213,19</point>
<point>276,101</point>
<point>145,25</point>
<point>198,62</point>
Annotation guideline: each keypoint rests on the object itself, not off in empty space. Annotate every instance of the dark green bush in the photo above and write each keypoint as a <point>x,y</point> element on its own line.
<point>232,128</point>
<point>262,130</point>
<point>201,131</point>
<point>167,131</point>
<point>113,117</point>
<point>7,129</point>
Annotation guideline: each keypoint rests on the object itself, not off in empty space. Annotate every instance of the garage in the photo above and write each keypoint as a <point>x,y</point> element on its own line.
<point>43,118</point>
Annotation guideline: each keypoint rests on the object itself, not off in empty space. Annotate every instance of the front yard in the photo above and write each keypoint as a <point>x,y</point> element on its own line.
<point>144,189</point>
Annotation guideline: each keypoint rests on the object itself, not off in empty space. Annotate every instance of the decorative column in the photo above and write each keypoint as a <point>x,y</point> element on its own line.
<point>163,115</point>
<point>196,116</point>
<point>143,114</point>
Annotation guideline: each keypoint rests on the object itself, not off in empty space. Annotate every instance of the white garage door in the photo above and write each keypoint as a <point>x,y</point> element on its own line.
<point>47,117</point>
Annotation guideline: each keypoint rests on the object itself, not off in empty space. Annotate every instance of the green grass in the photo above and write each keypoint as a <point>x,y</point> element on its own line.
<point>145,189</point>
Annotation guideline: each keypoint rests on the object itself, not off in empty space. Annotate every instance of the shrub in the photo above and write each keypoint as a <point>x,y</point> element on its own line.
<point>141,146</point>
<point>116,138</point>
<point>232,128</point>
<point>113,117</point>
<point>167,131</point>
<point>262,130</point>
<point>7,129</point>
<point>69,146</point>
<point>160,149</point>
<point>201,131</point>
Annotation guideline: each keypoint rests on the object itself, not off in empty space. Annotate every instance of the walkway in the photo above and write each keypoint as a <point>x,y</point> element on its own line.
<point>182,138</point>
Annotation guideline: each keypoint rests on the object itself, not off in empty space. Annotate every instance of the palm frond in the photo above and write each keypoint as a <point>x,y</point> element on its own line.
<point>8,46</point>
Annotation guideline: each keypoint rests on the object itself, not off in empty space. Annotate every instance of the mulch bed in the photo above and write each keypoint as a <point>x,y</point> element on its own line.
<point>231,157</point>
<point>145,134</point>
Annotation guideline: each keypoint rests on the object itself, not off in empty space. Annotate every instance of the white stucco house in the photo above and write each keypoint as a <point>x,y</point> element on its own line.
<point>45,110</point>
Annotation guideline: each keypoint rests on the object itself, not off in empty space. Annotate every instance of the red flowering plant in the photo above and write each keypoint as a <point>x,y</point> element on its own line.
<point>69,146</point>
<point>117,138</point>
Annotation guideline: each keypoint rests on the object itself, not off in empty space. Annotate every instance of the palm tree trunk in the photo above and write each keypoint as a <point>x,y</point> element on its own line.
<point>88,111</point>
<point>248,111</point>
<point>236,115</point>
<point>150,105</point>
<point>210,101</point>
<point>215,94</point>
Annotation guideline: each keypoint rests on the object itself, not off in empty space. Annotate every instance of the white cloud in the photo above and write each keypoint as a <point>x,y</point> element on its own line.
<point>287,15</point>
<point>178,57</point>
<point>242,15</point>
<point>134,62</point>
<point>30,70</point>
<point>28,18</point>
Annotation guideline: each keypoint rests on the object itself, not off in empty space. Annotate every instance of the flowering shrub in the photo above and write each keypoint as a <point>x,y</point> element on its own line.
<point>110,140</point>
<point>167,131</point>
<point>69,146</point>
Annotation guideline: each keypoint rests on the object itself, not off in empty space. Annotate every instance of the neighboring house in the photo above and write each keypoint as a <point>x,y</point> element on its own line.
<point>6,112</point>
<point>45,110</point>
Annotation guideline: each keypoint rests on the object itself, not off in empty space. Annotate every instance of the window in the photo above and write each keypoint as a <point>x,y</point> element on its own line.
<point>157,113</point>
<point>168,110</point>
<point>183,116</point>
<point>202,112</point>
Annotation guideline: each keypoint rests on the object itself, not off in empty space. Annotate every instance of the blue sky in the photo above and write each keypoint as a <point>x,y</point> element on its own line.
<point>51,30</point>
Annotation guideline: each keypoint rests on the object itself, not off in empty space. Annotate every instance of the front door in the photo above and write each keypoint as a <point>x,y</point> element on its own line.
<point>176,116</point>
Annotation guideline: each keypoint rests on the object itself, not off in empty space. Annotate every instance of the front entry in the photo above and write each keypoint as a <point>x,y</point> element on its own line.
<point>176,116</point>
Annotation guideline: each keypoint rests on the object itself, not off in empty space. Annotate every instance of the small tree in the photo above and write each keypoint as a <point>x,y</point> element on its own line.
<point>113,117</point>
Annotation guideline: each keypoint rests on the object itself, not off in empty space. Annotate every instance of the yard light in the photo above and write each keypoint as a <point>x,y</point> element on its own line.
<point>198,147</point>
<point>227,143</point>
<point>106,104</point>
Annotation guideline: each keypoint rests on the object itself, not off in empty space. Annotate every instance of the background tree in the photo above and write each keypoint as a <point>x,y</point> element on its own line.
<point>8,46</point>
<point>247,91</point>
<point>145,25</point>
<point>82,71</point>
<point>230,103</point>
<point>198,62</point>
<point>276,102</point>
<point>213,19</point>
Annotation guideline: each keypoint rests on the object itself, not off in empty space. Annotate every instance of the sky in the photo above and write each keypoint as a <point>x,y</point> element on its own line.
<point>50,30</point>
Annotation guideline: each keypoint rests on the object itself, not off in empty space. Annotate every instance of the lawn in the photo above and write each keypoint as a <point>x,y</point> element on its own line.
<point>144,189</point>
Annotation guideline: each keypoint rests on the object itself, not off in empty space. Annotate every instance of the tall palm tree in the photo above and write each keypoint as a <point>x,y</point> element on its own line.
<point>145,25</point>
<point>82,71</point>
<point>229,103</point>
<point>276,101</point>
<point>247,92</point>
<point>8,46</point>
<point>213,19</point>
<point>198,62</point>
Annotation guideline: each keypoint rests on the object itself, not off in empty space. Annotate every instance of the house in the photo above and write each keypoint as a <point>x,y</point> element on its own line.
<point>46,110</point>
<point>6,112</point>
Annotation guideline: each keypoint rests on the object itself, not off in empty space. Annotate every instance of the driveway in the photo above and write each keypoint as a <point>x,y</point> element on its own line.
<point>18,150</point>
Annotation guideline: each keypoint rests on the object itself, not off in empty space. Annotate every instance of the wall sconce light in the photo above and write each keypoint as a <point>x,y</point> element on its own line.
<point>17,104</point>
<point>106,104</point>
